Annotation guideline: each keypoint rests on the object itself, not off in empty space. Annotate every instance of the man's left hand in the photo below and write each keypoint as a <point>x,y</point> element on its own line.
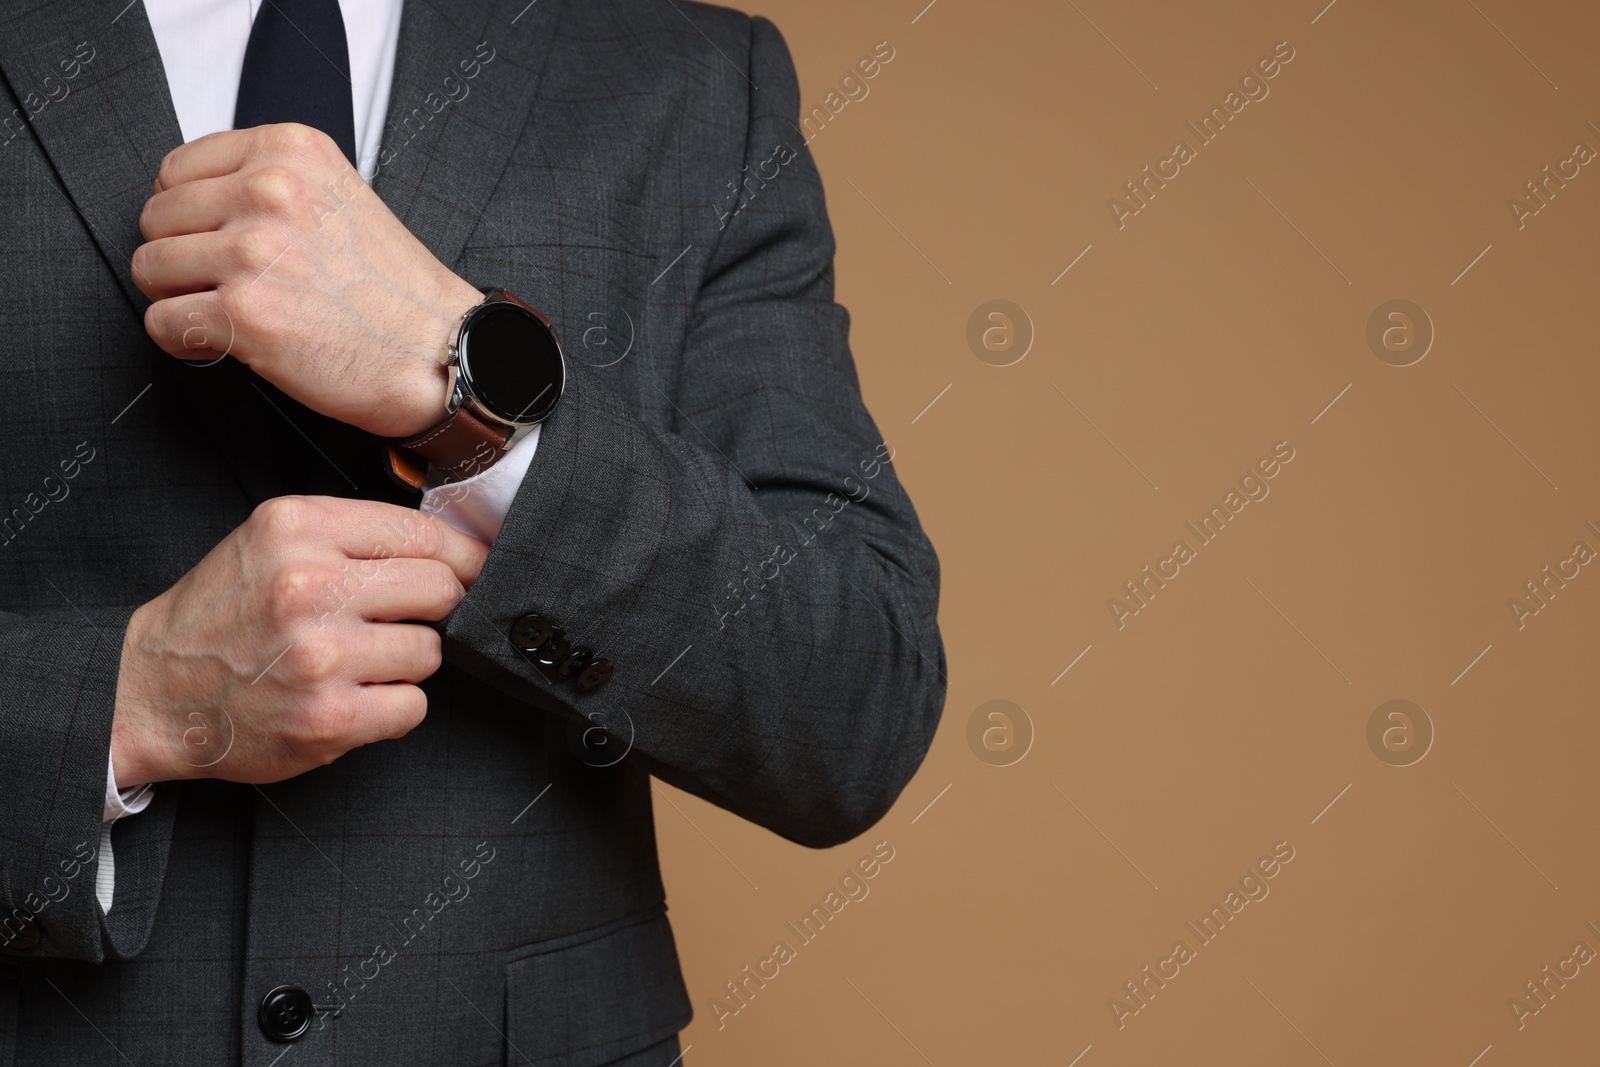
<point>265,244</point>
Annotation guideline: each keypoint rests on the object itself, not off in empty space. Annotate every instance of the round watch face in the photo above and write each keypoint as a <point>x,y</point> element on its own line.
<point>511,363</point>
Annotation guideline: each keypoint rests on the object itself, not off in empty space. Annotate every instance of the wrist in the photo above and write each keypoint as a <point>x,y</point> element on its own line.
<point>135,751</point>
<point>424,398</point>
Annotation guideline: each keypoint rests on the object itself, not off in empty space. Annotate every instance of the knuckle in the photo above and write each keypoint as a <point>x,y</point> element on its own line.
<point>426,538</point>
<point>150,259</point>
<point>164,173</point>
<point>284,518</point>
<point>412,709</point>
<point>296,137</point>
<point>443,587</point>
<point>255,248</point>
<point>313,660</point>
<point>296,593</point>
<point>235,302</point>
<point>140,260</point>
<point>272,189</point>
<point>322,726</point>
<point>431,655</point>
<point>148,264</point>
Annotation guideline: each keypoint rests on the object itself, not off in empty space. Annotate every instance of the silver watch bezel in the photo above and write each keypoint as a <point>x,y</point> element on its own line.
<point>458,384</point>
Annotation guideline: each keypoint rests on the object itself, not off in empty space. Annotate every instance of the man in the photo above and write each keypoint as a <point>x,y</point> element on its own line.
<point>293,771</point>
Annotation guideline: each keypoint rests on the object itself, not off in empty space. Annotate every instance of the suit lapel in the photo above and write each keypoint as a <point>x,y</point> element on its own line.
<point>105,137</point>
<point>450,136</point>
<point>440,159</point>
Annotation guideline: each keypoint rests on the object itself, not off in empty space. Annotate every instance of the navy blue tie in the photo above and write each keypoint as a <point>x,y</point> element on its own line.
<point>297,69</point>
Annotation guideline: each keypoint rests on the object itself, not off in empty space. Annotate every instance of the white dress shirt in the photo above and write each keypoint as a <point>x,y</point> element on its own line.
<point>202,44</point>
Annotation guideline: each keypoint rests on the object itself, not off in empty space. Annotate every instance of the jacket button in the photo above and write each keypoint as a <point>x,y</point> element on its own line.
<point>554,650</point>
<point>595,674</point>
<point>530,632</point>
<point>19,933</point>
<point>574,663</point>
<point>285,1013</point>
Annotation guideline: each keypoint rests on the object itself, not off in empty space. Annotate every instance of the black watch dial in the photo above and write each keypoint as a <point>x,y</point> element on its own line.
<point>511,363</point>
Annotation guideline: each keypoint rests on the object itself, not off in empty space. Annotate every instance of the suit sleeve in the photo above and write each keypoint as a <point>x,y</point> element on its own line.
<point>756,574</point>
<point>58,690</point>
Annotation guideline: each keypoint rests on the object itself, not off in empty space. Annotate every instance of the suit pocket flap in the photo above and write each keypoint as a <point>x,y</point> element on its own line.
<point>586,1003</point>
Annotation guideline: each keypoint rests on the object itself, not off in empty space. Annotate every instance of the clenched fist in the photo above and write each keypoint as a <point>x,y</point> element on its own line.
<point>296,639</point>
<point>265,244</point>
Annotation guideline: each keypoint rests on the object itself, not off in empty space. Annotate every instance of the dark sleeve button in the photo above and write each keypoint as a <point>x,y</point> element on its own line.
<point>575,661</point>
<point>530,632</point>
<point>19,933</point>
<point>595,674</point>
<point>554,650</point>
<point>285,1013</point>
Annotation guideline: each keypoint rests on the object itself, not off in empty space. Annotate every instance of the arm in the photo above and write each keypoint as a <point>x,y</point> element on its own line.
<point>294,640</point>
<point>58,689</point>
<point>802,602</point>
<point>807,700</point>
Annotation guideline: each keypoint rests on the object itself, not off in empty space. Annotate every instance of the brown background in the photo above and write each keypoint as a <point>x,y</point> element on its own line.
<point>1230,712</point>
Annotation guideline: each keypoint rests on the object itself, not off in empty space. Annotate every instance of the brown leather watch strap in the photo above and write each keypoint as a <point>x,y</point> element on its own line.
<point>469,440</point>
<point>517,300</point>
<point>462,445</point>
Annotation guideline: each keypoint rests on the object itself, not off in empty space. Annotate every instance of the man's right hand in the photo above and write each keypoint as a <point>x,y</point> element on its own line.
<point>296,639</point>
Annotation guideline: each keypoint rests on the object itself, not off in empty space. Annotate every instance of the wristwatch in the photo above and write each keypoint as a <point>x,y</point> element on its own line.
<point>506,375</point>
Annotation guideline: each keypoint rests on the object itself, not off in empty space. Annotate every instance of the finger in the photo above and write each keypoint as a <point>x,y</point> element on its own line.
<point>388,711</point>
<point>396,652</point>
<point>465,555</point>
<point>375,530</point>
<point>229,151</point>
<point>210,156</point>
<point>403,590</point>
<point>193,207</point>
<point>194,327</point>
<point>185,265</point>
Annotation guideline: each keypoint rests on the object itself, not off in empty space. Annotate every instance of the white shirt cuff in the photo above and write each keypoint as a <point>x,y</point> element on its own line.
<point>118,802</point>
<point>477,506</point>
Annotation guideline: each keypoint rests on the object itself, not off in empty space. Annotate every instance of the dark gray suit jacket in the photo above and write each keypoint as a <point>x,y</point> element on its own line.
<point>712,512</point>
